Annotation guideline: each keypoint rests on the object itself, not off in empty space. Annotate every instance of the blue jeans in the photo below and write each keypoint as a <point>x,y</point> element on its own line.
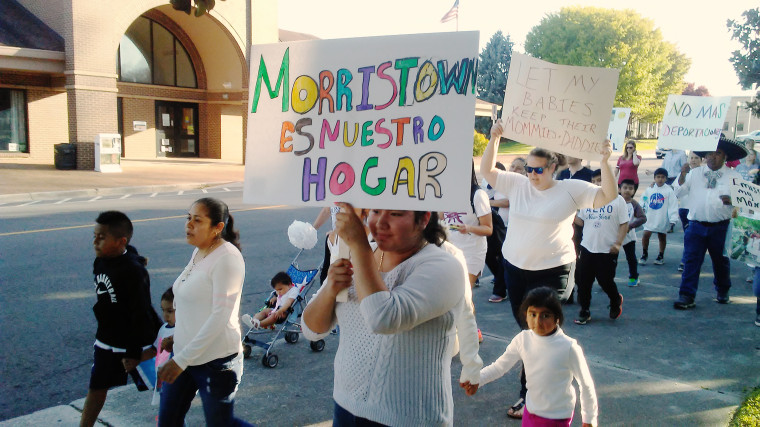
<point>343,418</point>
<point>698,239</point>
<point>217,382</point>
<point>682,214</point>
<point>756,288</point>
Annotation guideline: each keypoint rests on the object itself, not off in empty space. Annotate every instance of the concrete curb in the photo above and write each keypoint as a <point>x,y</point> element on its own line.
<point>107,191</point>
<point>65,415</point>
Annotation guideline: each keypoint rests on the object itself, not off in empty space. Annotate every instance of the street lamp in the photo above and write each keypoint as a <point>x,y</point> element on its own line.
<point>736,118</point>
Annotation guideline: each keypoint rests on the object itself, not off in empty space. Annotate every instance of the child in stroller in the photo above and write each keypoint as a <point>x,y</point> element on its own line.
<point>279,305</point>
<point>284,307</point>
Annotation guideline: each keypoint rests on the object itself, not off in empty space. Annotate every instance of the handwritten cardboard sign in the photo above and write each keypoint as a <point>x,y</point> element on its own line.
<point>693,122</point>
<point>745,240</point>
<point>745,194</point>
<point>380,122</point>
<point>618,126</point>
<point>558,107</point>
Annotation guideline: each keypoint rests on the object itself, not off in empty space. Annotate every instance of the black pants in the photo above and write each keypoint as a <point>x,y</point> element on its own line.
<point>600,267</point>
<point>523,281</point>
<point>630,257</point>
<point>495,263</point>
<point>325,264</point>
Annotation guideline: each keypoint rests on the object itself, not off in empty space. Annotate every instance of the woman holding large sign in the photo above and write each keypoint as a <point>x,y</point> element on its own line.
<point>538,249</point>
<point>394,357</point>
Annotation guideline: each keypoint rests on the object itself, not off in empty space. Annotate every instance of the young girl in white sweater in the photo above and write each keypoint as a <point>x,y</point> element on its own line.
<point>552,360</point>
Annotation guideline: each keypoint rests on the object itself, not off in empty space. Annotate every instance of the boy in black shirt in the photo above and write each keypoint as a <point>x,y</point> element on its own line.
<point>127,322</point>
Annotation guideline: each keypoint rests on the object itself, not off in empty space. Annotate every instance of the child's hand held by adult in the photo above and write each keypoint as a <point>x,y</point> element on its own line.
<point>469,389</point>
<point>167,344</point>
<point>169,371</point>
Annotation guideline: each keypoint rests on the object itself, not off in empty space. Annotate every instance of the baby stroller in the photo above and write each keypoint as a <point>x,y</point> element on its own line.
<point>291,326</point>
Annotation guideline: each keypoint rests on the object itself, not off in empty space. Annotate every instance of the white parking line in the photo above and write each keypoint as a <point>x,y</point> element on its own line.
<point>153,195</point>
<point>181,192</point>
<point>95,198</point>
<point>226,189</point>
<point>29,203</point>
<point>62,201</point>
<point>204,190</point>
<point>124,196</point>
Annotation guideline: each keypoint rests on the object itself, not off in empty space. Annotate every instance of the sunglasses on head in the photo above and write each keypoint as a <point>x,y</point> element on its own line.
<point>536,170</point>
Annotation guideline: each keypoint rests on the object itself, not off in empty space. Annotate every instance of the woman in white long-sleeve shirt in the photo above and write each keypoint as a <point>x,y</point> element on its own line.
<point>207,347</point>
<point>393,364</point>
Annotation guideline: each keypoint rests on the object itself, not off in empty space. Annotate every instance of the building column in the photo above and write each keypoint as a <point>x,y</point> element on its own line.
<point>92,110</point>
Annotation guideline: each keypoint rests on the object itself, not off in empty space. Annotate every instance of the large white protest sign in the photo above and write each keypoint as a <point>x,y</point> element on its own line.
<point>558,107</point>
<point>745,194</point>
<point>618,126</point>
<point>380,122</point>
<point>693,122</point>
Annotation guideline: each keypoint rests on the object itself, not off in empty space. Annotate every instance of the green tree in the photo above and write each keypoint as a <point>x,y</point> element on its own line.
<point>650,67</point>
<point>492,74</point>
<point>746,60</point>
<point>698,91</point>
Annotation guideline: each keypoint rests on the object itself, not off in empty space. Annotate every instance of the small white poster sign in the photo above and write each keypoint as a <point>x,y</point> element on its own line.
<point>693,122</point>
<point>618,126</point>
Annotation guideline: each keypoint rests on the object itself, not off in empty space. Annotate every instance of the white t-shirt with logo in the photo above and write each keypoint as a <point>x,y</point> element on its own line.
<point>540,232</point>
<point>473,246</point>
<point>600,226</point>
<point>661,208</point>
<point>631,236</point>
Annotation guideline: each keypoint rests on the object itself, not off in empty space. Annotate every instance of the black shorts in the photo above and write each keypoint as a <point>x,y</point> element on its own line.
<point>108,371</point>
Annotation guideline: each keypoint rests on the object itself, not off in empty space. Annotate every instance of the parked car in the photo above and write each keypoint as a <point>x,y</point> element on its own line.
<point>754,136</point>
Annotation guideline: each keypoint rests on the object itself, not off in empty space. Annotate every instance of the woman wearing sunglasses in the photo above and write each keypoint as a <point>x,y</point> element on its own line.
<point>628,165</point>
<point>538,249</point>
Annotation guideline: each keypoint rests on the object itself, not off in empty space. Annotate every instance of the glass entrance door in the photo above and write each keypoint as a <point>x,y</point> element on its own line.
<point>176,129</point>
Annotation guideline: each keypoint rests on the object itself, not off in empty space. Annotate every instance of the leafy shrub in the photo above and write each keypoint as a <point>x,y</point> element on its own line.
<point>479,144</point>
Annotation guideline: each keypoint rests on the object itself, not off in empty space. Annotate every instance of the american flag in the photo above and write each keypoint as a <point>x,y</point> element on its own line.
<point>453,13</point>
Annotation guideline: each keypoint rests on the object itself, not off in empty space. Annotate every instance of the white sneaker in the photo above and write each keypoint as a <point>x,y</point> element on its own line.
<point>250,321</point>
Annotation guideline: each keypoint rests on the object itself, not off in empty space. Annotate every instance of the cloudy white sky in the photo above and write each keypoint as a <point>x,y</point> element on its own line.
<point>698,29</point>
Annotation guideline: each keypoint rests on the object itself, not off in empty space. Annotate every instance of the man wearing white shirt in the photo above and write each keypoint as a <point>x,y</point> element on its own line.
<point>673,162</point>
<point>708,188</point>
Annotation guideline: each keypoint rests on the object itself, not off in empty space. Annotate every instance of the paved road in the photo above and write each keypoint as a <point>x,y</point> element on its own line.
<point>653,366</point>
<point>46,263</point>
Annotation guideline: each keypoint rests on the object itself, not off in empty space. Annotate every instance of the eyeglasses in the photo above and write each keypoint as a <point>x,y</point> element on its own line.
<point>536,170</point>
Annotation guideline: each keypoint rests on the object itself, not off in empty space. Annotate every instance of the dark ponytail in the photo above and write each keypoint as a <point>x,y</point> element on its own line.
<point>219,212</point>
<point>433,232</point>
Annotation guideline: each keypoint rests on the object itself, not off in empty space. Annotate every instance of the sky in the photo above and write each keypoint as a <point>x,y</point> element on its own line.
<point>698,29</point>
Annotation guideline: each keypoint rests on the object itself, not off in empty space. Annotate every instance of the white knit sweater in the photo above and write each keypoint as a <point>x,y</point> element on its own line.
<point>393,363</point>
<point>207,300</point>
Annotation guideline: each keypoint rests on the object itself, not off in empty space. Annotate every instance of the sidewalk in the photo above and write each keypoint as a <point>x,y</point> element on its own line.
<point>22,181</point>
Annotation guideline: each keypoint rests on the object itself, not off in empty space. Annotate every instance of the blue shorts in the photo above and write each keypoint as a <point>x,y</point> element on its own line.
<point>108,371</point>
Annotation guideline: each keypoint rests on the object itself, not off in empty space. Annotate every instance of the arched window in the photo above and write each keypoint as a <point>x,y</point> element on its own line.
<point>150,54</point>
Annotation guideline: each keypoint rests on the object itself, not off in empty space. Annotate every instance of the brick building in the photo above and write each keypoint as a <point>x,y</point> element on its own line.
<point>172,84</point>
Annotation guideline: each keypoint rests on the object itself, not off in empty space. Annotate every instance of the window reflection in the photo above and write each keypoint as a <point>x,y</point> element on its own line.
<point>150,54</point>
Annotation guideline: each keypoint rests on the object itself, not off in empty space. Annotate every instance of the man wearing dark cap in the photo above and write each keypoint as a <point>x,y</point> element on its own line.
<point>709,191</point>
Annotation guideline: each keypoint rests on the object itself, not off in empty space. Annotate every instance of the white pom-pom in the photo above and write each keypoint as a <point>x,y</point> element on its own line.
<point>302,235</point>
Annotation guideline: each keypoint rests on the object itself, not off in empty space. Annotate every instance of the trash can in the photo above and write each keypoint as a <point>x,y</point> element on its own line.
<point>65,156</point>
